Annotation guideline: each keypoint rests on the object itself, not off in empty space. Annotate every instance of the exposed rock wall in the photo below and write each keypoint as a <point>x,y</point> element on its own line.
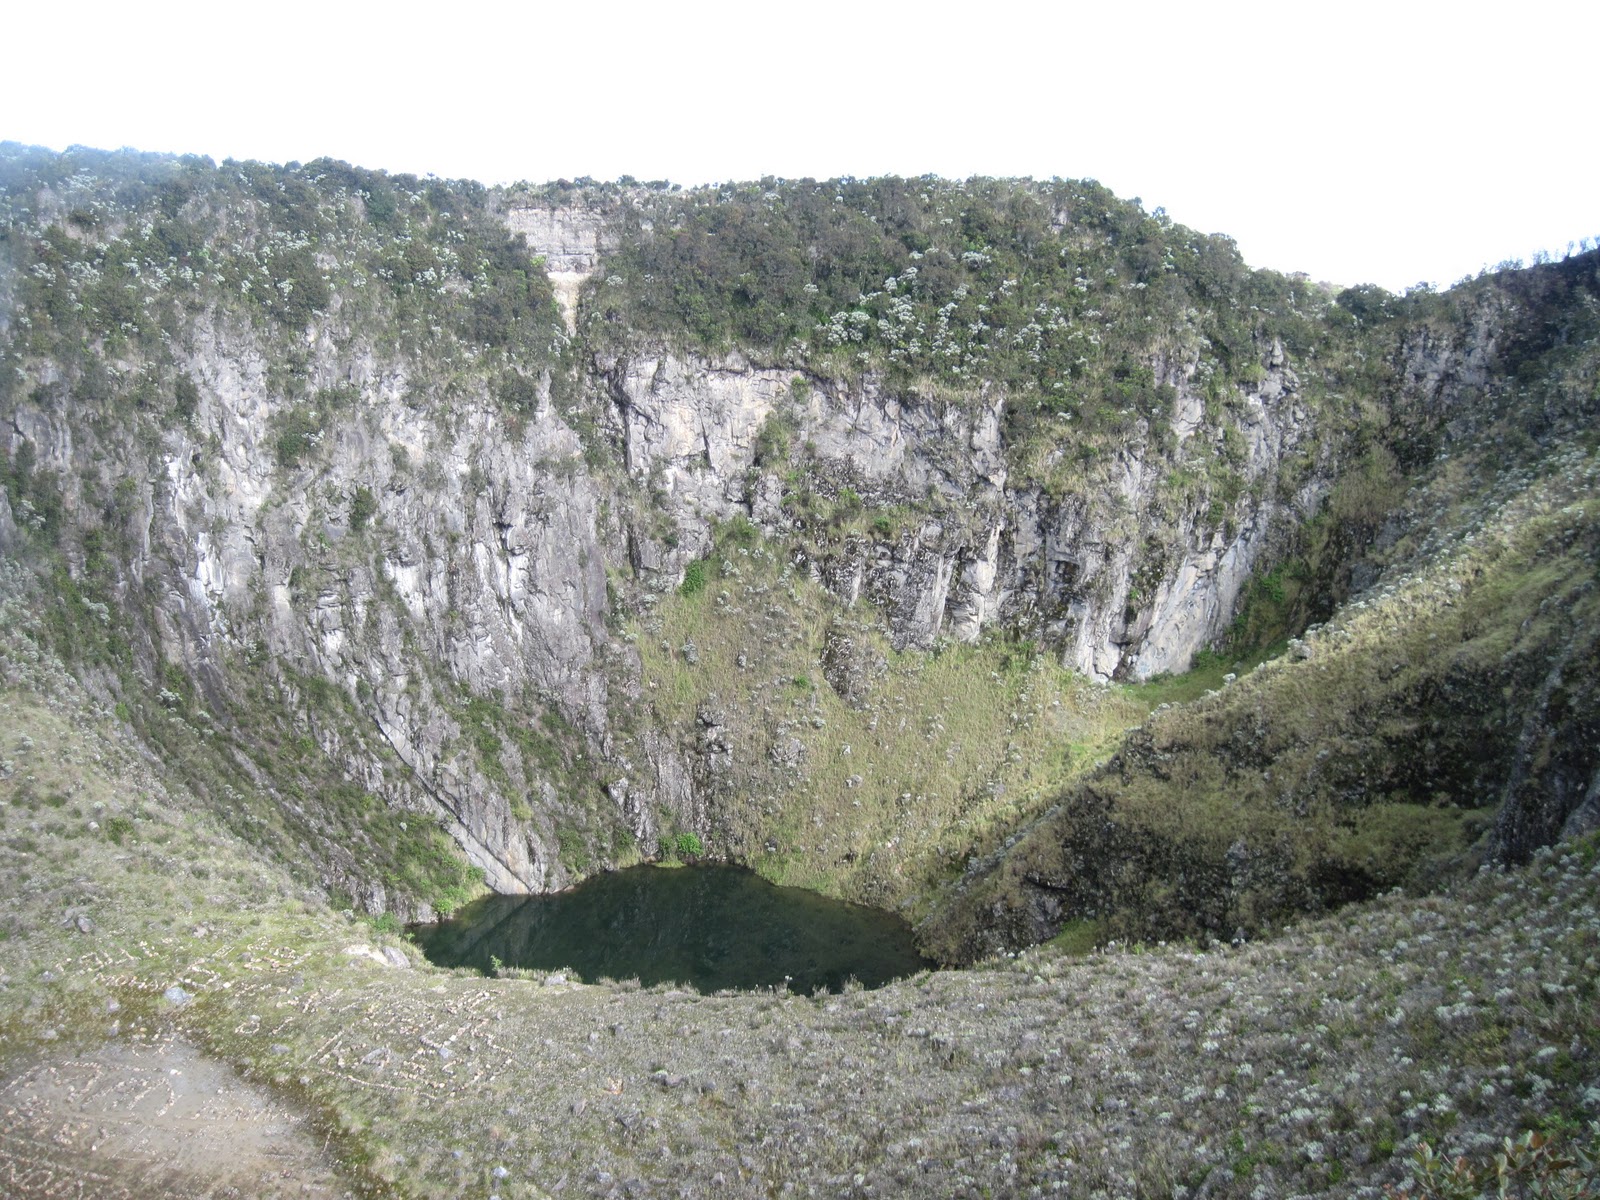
<point>571,239</point>
<point>481,569</point>
<point>425,546</point>
<point>981,553</point>
<point>478,572</point>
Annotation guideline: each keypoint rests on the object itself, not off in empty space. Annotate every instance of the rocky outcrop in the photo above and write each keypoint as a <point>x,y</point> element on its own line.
<point>977,553</point>
<point>571,239</point>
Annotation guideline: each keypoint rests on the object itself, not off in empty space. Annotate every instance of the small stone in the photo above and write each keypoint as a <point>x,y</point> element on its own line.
<point>177,995</point>
<point>499,1172</point>
<point>396,957</point>
<point>446,1053</point>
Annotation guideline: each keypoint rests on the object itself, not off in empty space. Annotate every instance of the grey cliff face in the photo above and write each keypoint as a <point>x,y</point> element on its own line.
<point>417,548</point>
<point>571,240</point>
<point>479,570</point>
<point>480,567</point>
<point>1061,568</point>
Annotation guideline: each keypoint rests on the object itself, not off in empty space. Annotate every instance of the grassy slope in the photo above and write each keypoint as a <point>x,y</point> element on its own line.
<point>1373,755</point>
<point>910,763</point>
<point>1452,706</point>
<point>1309,1063</point>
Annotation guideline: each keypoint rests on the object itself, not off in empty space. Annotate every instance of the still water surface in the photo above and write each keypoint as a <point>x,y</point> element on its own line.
<point>711,927</point>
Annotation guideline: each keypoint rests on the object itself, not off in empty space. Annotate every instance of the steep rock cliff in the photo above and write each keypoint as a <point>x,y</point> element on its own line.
<point>1443,718</point>
<point>475,571</point>
<point>383,497</point>
<point>1120,582</point>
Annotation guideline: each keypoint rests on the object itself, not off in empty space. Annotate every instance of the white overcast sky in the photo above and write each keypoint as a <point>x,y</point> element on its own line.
<point>1386,142</point>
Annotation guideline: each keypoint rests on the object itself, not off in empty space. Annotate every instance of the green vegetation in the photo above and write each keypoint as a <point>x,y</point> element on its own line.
<point>1532,1165</point>
<point>1407,691</point>
<point>981,278</point>
<point>1058,293</point>
<point>112,254</point>
<point>857,770</point>
<point>363,507</point>
<point>1079,938</point>
<point>1368,757</point>
<point>574,850</point>
<point>682,846</point>
<point>694,579</point>
<point>299,431</point>
<point>1345,1053</point>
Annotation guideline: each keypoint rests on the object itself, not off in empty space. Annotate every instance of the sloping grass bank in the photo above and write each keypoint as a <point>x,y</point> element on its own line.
<point>1312,1063</point>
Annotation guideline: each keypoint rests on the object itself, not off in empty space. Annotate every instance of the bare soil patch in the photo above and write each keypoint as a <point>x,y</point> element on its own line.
<point>154,1120</point>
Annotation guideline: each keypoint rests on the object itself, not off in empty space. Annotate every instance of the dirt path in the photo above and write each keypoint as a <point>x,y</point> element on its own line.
<point>153,1120</point>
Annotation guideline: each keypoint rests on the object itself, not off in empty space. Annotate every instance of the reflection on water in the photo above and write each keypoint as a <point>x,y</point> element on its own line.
<point>711,927</point>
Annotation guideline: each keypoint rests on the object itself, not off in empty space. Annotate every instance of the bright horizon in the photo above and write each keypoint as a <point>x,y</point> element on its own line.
<point>1397,145</point>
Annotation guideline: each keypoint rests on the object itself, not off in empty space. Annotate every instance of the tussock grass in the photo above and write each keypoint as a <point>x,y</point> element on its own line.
<point>1431,724</point>
<point>852,768</point>
<point>1313,1063</point>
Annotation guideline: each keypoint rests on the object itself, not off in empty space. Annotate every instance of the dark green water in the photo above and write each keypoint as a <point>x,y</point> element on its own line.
<point>711,927</point>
